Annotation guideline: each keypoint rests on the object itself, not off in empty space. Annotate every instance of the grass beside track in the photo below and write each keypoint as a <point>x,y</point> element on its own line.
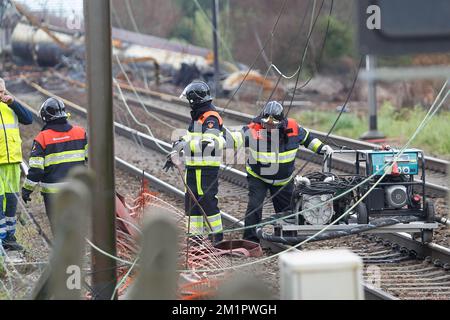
<point>396,124</point>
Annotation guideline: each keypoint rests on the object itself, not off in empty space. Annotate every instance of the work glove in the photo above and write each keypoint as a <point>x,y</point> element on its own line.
<point>169,162</point>
<point>173,160</point>
<point>326,150</point>
<point>26,195</point>
<point>178,146</point>
<point>7,99</point>
<point>298,180</point>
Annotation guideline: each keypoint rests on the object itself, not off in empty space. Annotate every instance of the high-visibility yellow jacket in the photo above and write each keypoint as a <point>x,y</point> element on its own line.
<point>10,141</point>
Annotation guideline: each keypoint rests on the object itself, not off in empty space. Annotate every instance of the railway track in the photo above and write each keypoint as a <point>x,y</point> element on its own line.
<point>173,107</point>
<point>425,265</point>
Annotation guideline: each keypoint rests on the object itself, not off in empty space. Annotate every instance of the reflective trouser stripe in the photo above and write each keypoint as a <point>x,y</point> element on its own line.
<point>216,223</point>
<point>195,225</point>
<point>3,228</point>
<point>11,223</point>
<point>198,179</point>
<point>275,183</point>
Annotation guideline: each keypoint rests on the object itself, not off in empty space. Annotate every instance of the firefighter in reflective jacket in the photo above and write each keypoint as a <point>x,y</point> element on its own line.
<point>273,141</point>
<point>203,147</point>
<point>56,149</point>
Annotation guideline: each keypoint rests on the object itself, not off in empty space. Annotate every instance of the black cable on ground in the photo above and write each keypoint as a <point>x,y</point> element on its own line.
<point>318,186</point>
<point>374,224</point>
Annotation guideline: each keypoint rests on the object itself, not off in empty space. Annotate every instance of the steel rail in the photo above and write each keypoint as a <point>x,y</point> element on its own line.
<point>437,254</point>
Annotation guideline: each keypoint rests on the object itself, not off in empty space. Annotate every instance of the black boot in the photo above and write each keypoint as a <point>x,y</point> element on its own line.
<point>216,238</point>
<point>10,244</point>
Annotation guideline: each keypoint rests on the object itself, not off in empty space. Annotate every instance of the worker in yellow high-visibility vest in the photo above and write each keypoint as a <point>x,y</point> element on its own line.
<point>11,114</point>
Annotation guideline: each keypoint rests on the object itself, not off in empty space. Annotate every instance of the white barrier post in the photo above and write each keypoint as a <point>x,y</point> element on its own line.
<point>321,275</point>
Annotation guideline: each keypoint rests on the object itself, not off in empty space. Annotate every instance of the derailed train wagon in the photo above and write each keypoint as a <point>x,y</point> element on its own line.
<point>31,45</point>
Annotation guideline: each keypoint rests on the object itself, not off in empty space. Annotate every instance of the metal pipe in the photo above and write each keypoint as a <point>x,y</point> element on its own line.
<point>101,144</point>
<point>373,132</point>
<point>215,15</point>
<point>444,221</point>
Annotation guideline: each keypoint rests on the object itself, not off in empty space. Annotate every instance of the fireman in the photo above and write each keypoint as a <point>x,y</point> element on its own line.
<point>273,141</point>
<point>56,149</point>
<point>203,147</point>
<point>11,114</point>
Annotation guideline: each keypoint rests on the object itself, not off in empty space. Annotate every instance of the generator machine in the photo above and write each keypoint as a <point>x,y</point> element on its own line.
<point>385,194</point>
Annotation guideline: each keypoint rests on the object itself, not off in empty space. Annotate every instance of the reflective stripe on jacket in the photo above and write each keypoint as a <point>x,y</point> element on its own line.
<point>10,141</point>
<point>205,141</point>
<point>274,161</point>
<point>53,154</point>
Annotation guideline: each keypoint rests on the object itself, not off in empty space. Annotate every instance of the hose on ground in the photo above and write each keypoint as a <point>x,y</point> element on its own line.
<point>373,224</point>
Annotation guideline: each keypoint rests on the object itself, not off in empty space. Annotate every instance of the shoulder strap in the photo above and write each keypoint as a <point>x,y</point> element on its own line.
<point>207,114</point>
<point>78,133</point>
<point>40,138</point>
<point>255,128</point>
<point>292,128</point>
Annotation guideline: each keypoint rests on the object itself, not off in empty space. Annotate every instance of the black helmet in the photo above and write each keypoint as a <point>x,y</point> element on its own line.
<point>52,109</point>
<point>273,114</point>
<point>197,93</point>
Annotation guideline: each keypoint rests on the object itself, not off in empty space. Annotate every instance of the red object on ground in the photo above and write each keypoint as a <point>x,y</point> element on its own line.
<point>241,247</point>
<point>123,213</point>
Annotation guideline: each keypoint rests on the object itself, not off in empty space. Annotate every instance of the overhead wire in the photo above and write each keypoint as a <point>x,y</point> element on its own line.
<point>131,15</point>
<point>134,117</point>
<point>133,88</point>
<point>214,30</point>
<point>304,55</point>
<point>257,57</point>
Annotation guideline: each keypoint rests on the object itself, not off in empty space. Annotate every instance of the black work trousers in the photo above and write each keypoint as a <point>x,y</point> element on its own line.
<point>48,202</point>
<point>204,184</point>
<point>256,195</point>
